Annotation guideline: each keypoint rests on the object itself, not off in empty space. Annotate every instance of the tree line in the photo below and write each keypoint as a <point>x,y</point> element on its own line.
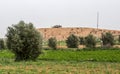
<point>90,41</point>
<point>26,42</point>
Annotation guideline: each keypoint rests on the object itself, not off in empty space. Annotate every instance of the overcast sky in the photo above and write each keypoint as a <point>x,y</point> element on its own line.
<point>68,13</point>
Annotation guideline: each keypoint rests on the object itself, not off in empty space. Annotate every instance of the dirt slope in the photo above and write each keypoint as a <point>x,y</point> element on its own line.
<point>63,33</point>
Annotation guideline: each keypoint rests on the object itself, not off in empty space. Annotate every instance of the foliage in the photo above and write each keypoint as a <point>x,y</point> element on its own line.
<point>90,41</point>
<point>83,55</point>
<point>24,41</point>
<point>69,55</point>
<point>65,61</point>
<point>107,39</point>
<point>2,44</point>
<point>72,41</point>
<point>61,43</point>
<point>57,26</point>
<point>52,42</point>
<point>119,39</point>
<point>82,40</point>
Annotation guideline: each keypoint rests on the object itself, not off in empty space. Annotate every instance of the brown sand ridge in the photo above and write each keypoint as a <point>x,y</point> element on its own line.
<point>63,33</point>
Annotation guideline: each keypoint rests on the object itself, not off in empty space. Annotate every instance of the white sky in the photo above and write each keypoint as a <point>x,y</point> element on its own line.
<point>68,13</point>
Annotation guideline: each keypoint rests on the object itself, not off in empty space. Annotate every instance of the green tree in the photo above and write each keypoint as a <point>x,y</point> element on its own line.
<point>119,38</point>
<point>72,41</point>
<point>82,40</point>
<point>57,26</point>
<point>107,39</point>
<point>90,41</point>
<point>24,41</point>
<point>2,44</point>
<point>52,42</point>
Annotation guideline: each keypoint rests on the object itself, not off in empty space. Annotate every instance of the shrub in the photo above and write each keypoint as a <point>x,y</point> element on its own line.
<point>119,39</point>
<point>2,44</point>
<point>24,41</point>
<point>57,26</point>
<point>90,41</point>
<point>107,39</point>
<point>81,40</point>
<point>52,42</point>
<point>72,41</point>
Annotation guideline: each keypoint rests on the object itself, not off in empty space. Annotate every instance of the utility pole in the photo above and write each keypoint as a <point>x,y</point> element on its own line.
<point>97,20</point>
<point>97,24</point>
<point>97,29</point>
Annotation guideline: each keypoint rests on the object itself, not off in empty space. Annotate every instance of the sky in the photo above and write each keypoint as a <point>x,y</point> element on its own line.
<point>68,13</point>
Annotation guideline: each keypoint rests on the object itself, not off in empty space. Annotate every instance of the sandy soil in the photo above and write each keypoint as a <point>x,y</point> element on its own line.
<point>63,33</point>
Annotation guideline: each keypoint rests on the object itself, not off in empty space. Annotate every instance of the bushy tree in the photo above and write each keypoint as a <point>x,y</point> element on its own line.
<point>57,26</point>
<point>90,41</point>
<point>82,40</point>
<point>107,39</point>
<point>72,41</point>
<point>24,41</point>
<point>2,44</point>
<point>52,42</point>
<point>119,38</point>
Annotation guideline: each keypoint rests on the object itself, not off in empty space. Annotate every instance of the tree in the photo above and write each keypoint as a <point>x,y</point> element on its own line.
<point>24,41</point>
<point>90,41</point>
<point>52,42</point>
<point>107,39</point>
<point>119,38</point>
<point>81,40</point>
<point>57,26</point>
<point>72,41</point>
<point>2,44</point>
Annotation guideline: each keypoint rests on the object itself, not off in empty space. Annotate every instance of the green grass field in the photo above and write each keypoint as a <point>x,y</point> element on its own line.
<point>69,55</point>
<point>64,62</point>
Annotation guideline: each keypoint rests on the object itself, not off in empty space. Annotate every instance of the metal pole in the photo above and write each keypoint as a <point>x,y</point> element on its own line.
<point>97,20</point>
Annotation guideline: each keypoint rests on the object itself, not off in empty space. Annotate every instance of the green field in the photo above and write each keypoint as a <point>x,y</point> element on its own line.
<point>69,55</point>
<point>64,62</point>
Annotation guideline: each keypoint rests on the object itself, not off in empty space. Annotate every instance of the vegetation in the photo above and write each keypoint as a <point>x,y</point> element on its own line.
<point>119,39</point>
<point>61,43</point>
<point>2,44</point>
<point>107,39</point>
<point>52,42</point>
<point>109,55</point>
<point>24,41</point>
<point>72,55</point>
<point>72,41</point>
<point>57,26</point>
<point>82,40</point>
<point>90,41</point>
<point>64,62</point>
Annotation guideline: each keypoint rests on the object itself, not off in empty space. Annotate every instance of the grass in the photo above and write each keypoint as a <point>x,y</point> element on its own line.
<point>63,62</point>
<point>98,55</point>
<point>59,43</point>
<point>62,67</point>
